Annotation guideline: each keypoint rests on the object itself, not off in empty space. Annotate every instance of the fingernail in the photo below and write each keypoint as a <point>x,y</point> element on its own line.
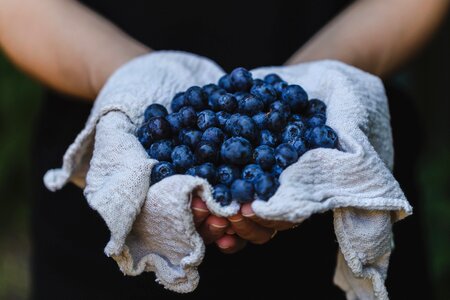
<point>247,211</point>
<point>223,248</point>
<point>199,209</point>
<point>230,231</point>
<point>219,226</point>
<point>249,215</point>
<point>239,219</point>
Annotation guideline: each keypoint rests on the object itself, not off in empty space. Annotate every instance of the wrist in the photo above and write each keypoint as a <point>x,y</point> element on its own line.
<point>107,65</point>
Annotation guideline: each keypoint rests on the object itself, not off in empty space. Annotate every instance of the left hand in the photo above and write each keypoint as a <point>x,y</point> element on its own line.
<point>251,228</point>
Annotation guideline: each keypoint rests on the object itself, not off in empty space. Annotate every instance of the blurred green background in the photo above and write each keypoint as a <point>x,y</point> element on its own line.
<point>427,79</point>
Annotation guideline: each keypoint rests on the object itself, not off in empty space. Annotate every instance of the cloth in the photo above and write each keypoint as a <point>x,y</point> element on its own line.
<point>65,244</point>
<point>374,187</point>
<point>356,183</point>
<point>118,168</point>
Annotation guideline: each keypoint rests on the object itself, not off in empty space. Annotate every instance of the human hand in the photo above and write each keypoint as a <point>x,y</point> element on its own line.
<point>232,234</point>
<point>249,227</point>
<point>214,229</point>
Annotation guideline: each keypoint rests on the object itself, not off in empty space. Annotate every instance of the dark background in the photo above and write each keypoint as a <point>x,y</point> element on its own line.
<point>426,80</point>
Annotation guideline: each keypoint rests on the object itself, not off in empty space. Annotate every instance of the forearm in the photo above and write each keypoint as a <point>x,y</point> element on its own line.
<point>64,44</point>
<point>376,35</point>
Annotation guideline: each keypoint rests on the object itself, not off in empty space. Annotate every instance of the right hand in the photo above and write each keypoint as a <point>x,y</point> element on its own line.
<point>214,229</point>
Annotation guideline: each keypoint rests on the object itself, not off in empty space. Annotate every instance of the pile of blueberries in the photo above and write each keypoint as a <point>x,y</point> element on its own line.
<point>239,134</point>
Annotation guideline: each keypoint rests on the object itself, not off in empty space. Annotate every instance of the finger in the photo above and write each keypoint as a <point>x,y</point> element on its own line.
<point>249,230</point>
<point>247,211</point>
<point>230,244</point>
<point>213,228</point>
<point>230,231</point>
<point>199,210</point>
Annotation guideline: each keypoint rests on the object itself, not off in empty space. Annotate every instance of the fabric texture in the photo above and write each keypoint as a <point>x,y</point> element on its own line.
<point>117,170</point>
<point>355,182</point>
<point>152,228</point>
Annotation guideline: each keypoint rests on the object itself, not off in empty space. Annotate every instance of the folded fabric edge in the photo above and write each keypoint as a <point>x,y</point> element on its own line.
<point>182,276</point>
<point>185,277</point>
<point>269,210</point>
<point>353,262</point>
<point>366,288</point>
<point>56,179</point>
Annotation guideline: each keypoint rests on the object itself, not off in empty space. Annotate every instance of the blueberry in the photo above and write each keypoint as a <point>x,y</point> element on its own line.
<point>268,138</point>
<point>227,174</point>
<point>265,186</point>
<point>227,102</point>
<point>272,78</point>
<point>250,172</point>
<point>285,155</point>
<point>196,98</point>
<point>322,137</point>
<point>230,123</point>
<point>225,83</point>
<point>190,137</point>
<point>316,106</point>
<point>188,116</point>
<point>316,120</point>
<point>213,99</point>
<point>159,128</point>
<point>261,120</point>
<point>282,108</point>
<point>257,82</point>
<point>241,95</point>
<point>182,158</point>
<point>144,136</point>
<point>207,171</point>
<point>191,171</point>
<point>174,120</point>
<point>237,151</point>
<point>206,119</point>
<point>161,150</point>
<point>295,118</point>
<point>245,127</point>
<point>299,121</point>
<point>250,105</point>
<point>222,117</point>
<point>241,79</point>
<point>222,194</point>
<point>279,87</point>
<point>242,191</point>
<point>276,171</point>
<point>296,97</point>
<point>155,110</point>
<point>160,171</point>
<point>214,135</point>
<point>291,132</point>
<point>276,121</point>
<point>178,102</point>
<point>207,152</point>
<point>210,88</point>
<point>264,156</point>
<point>265,92</point>
<point>299,146</point>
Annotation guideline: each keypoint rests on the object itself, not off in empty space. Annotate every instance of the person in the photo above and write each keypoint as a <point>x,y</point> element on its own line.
<point>72,48</point>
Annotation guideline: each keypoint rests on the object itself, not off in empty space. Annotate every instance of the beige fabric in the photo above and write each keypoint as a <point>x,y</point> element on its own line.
<point>356,183</point>
<point>152,228</point>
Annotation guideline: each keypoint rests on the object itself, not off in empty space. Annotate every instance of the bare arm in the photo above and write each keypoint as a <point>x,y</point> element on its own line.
<point>376,35</point>
<point>64,44</point>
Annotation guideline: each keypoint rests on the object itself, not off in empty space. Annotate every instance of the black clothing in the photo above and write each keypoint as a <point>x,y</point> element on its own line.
<point>69,237</point>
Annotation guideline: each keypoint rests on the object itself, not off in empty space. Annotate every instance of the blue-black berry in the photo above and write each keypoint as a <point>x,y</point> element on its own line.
<point>242,191</point>
<point>160,171</point>
<point>237,151</point>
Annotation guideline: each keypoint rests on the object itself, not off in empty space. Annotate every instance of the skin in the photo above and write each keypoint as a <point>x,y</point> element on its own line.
<point>62,44</point>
